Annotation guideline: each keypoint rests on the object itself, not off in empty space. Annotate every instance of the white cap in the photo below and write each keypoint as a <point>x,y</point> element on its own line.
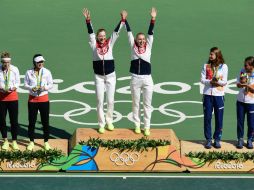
<point>39,59</point>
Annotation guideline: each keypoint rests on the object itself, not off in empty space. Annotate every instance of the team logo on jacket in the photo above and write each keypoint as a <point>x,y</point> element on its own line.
<point>139,50</point>
<point>102,49</point>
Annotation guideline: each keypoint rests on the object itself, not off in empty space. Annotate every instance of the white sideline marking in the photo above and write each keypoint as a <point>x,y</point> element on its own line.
<point>124,177</point>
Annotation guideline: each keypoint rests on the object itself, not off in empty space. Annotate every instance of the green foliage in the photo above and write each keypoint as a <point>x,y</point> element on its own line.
<point>120,144</point>
<point>41,156</point>
<point>225,156</point>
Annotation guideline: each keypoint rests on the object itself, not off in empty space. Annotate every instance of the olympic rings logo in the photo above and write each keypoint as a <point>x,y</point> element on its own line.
<point>162,109</point>
<point>124,158</point>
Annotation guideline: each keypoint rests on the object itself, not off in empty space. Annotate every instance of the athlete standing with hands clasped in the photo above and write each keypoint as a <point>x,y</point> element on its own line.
<point>214,76</point>
<point>9,82</point>
<point>245,102</point>
<point>141,79</point>
<point>38,80</point>
<point>104,68</point>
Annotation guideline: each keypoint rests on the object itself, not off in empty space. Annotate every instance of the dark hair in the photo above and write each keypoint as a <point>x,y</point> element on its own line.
<point>5,54</point>
<point>36,55</point>
<point>249,60</point>
<point>219,57</point>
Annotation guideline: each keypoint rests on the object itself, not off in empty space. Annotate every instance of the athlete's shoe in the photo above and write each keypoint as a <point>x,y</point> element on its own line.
<point>137,130</point>
<point>101,130</point>
<point>15,145</point>
<point>249,144</point>
<point>110,127</point>
<point>30,146</point>
<point>47,146</point>
<point>217,144</point>
<point>5,145</point>
<point>239,143</point>
<point>147,132</point>
<point>208,144</point>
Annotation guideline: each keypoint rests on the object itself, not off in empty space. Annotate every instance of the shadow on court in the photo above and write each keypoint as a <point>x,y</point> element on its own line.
<point>55,132</point>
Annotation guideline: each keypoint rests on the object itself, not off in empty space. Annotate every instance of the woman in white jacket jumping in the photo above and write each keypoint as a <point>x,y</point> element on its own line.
<point>104,68</point>
<point>140,69</point>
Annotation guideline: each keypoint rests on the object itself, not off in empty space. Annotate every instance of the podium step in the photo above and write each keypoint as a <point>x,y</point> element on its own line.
<point>219,165</point>
<point>84,134</point>
<point>19,165</point>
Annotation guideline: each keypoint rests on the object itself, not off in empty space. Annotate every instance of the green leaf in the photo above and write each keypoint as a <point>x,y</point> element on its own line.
<point>122,145</point>
<point>225,156</point>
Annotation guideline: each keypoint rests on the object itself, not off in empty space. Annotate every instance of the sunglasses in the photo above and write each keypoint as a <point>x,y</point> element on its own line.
<point>39,62</point>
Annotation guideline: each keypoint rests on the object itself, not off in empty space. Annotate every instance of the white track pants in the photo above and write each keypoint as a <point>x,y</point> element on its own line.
<point>144,84</point>
<point>105,83</point>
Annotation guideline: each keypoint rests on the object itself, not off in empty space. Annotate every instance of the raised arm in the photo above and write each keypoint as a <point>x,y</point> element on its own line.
<point>92,38</point>
<point>151,26</point>
<point>87,14</point>
<point>124,15</point>
<point>129,32</point>
<point>118,28</point>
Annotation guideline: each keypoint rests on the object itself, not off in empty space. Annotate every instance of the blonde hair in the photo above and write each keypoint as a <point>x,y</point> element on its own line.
<point>140,33</point>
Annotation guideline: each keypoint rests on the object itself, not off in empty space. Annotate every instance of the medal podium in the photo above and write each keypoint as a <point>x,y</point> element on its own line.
<point>89,151</point>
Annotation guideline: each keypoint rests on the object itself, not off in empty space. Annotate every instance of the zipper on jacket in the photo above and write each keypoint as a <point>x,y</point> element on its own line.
<point>103,65</point>
<point>139,66</point>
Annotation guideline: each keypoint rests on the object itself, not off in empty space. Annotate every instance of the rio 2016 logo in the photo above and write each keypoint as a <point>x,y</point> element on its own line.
<point>82,87</point>
<point>219,165</point>
<point>159,88</point>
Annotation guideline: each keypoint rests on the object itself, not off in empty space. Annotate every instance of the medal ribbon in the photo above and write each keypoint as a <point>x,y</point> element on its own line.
<point>39,78</point>
<point>7,79</point>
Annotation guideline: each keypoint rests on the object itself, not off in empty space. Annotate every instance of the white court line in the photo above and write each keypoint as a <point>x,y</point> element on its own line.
<point>120,176</point>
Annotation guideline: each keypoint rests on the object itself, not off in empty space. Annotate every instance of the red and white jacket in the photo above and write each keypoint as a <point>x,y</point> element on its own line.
<point>103,60</point>
<point>31,81</point>
<point>141,57</point>
<point>14,81</point>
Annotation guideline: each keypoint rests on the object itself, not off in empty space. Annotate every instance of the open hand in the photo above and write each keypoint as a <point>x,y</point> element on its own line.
<point>124,14</point>
<point>153,13</point>
<point>86,13</point>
